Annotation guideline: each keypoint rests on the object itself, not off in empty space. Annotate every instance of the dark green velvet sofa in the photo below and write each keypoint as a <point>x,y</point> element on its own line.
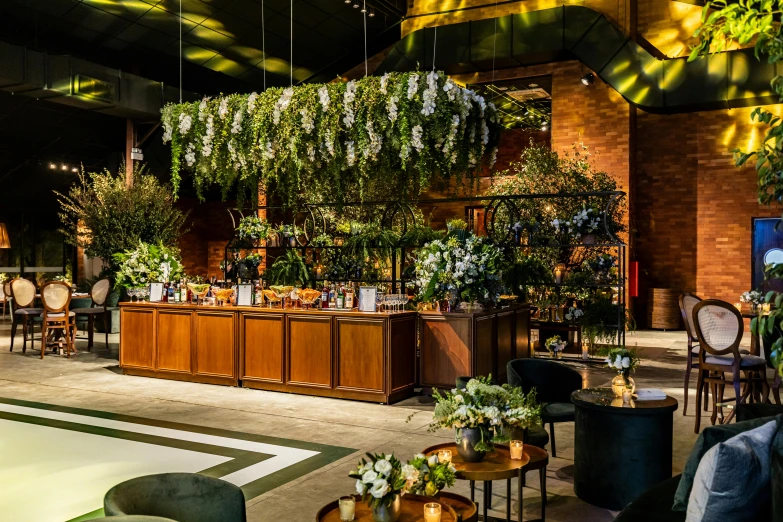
<point>655,504</point>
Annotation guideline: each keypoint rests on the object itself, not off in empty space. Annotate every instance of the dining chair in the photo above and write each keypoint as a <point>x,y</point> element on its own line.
<point>5,297</point>
<point>23,300</point>
<point>56,296</point>
<point>99,293</point>
<point>719,328</point>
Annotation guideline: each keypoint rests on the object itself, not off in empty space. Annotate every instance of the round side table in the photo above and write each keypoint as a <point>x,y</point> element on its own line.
<point>620,449</point>
<point>498,465</point>
<point>455,508</point>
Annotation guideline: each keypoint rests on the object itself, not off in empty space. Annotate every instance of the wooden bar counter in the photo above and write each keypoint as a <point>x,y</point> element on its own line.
<point>468,344</point>
<point>344,354</point>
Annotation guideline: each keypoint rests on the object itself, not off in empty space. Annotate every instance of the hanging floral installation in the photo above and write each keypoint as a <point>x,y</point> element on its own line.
<point>396,135</point>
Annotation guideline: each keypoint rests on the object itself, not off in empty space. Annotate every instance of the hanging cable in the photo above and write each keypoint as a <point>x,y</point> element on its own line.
<point>292,44</point>
<point>364,15</point>
<point>494,41</point>
<point>180,51</point>
<point>263,42</point>
<point>434,46</point>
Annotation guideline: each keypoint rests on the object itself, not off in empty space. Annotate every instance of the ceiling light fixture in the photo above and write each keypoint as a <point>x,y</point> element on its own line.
<point>64,167</point>
<point>371,13</point>
<point>356,5</point>
<point>588,79</point>
<point>52,166</point>
<point>347,1</point>
<point>364,8</point>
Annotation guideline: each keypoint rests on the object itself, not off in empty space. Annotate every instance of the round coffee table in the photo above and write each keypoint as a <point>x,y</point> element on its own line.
<point>620,449</point>
<point>454,507</point>
<point>498,465</point>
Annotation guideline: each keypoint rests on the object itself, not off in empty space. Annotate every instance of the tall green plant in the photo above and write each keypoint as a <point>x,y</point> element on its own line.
<point>289,269</point>
<point>105,217</point>
<point>754,22</point>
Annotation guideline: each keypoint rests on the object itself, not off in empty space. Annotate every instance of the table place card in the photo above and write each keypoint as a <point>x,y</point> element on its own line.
<point>244,295</point>
<point>367,298</point>
<point>650,394</point>
<point>156,292</point>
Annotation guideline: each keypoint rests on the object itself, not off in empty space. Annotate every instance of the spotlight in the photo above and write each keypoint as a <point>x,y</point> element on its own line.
<point>64,167</point>
<point>356,5</point>
<point>545,127</point>
<point>52,166</point>
<point>588,79</point>
<point>74,169</point>
<point>371,13</point>
<point>347,1</point>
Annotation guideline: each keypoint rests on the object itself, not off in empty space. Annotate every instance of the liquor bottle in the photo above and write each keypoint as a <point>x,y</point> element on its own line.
<point>325,296</point>
<point>165,296</point>
<point>332,297</point>
<point>177,293</point>
<point>349,297</point>
<point>340,301</point>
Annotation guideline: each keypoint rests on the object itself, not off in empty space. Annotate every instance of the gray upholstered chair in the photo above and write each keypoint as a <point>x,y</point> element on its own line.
<point>553,382</point>
<point>23,294</point>
<point>186,497</point>
<point>99,293</point>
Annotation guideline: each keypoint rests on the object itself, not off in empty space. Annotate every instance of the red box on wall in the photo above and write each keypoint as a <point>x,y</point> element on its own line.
<point>633,279</point>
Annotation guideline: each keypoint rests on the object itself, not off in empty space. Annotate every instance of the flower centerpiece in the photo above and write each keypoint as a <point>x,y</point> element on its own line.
<point>624,361</point>
<point>147,264</point>
<point>555,346</point>
<point>480,413</point>
<point>573,314</point>
<point>754,298</point>
<point>466,271</point>
<point>603,267</point>
<point>581,226</point>
<point>253,228</point>
<point>382,483</point>
<point>428,475</point>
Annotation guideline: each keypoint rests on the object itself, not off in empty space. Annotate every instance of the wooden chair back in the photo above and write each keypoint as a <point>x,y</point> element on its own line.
<point>719,326</point>
<point>23,292</point>
<point>100,292</point>
<point>56,297</point>
<point>7,289</point>
<point>687,302</point>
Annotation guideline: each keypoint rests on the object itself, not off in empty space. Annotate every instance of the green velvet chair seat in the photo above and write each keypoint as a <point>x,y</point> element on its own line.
<point>185,497</point>
<point>558,412</point>
<point>654,505</point>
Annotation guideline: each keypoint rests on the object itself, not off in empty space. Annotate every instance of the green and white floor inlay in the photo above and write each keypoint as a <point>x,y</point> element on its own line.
<point>56,462</point>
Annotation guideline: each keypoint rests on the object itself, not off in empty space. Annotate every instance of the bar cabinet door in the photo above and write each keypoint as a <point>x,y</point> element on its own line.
<point>446,349</point>
<point>361,354</point>
<point>174,332</point>
<point>309,351</point>
<point>262,347</point>
<point>137,338</point>
<point>215,346</point>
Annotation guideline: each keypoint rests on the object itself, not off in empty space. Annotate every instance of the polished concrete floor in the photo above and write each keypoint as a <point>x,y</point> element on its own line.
<point>37,453</point>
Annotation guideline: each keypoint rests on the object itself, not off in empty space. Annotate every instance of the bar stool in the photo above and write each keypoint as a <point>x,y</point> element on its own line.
<point>99,293</point>
<point>56,296</point>
<point>23,295</point>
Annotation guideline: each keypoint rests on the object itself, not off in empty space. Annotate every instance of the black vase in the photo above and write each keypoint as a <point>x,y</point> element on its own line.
<point>466,445</point>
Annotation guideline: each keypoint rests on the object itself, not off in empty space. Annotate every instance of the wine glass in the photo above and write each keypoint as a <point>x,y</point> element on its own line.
<point>132,294</point>
<point>378,301</point>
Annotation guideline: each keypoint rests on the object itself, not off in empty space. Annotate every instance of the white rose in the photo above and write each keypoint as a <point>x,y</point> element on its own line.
<point>383,467</point>
<point>369,477</point>
<point>626,362</point>
<point>359,487</point>
<point>419,456</point>
<point>618,362</point>
<point>609,362</point>
<point>379,488</point>
<point>432,460</point>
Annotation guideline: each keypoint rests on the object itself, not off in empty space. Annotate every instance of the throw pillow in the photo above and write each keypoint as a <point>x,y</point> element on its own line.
<point>732,480</point>
<point>707,439</point>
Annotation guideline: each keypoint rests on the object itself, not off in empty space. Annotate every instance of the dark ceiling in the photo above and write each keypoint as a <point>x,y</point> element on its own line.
<point>222,40</point>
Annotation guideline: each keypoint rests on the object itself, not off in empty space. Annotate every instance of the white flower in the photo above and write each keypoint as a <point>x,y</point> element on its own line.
<point>348,98</point>
<point>418,456</point>
<point>307,121</point>
<point>185,122</point>
<point>618,362</point>
<point>493,157</point>
<point>429,95</point>
<point>251,102</point>
<point>383,467</point>
<point>484,132</point>
<point>626,362</point>
<point>323,96</point>
<point>413,85</point>
<point>206,148</point>
<point>360,487</point>
<point>391,108</point>
<point>202,109</point>
<point>223,108</point>
<point>190,155</point>
<point>379,488</point>
<point>384,81</point>
<point>350,153</point>
<point>369,476</point>
<point>236,126</point>
<point>416,133</point>
<point>282,104</point>
<point>432,460</point>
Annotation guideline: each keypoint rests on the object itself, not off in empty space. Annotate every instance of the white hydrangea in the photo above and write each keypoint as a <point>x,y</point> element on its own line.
<point>223,108</point>
<point>452,136</point>
<point>251,102</point>
<point>416,134</point>
<point>307,121</point>
<point>236,126</point>
<point>413,85</point>
<point>323,97</point>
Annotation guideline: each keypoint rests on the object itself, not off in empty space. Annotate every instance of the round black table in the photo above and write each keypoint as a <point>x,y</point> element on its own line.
<point>620,449</point>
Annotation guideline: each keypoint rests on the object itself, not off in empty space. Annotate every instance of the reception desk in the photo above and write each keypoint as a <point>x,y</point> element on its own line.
<point>344,354</point>
<point>469,344</point>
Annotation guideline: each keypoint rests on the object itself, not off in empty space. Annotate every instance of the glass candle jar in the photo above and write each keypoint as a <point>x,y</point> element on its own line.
<point>432,512</point>
<point>444,455</point>
<point>347,508</point>
<point>627,394</point>
<point>516,449</point>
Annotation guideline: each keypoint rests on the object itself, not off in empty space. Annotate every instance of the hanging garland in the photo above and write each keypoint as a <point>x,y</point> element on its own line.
<point>400,133</point>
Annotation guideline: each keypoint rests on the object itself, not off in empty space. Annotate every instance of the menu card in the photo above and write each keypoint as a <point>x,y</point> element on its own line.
<point>367,298</point>
<point>156,292</point>
<point>244,295</point>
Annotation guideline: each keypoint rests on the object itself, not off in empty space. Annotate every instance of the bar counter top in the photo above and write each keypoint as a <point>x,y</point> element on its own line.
<point>264,309</point>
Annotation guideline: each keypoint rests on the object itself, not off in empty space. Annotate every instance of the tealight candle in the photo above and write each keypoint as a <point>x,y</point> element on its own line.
<point>431,512</point>
<point>558,276</point>
<point>765,308</point>
<point>515,448</point>
<point>347,508</point>
<point>627,395</point>
<point>444,455</point>
<point>739,306</point>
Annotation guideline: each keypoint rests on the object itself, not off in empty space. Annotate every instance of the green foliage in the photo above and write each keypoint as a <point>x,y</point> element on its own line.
<point>104,216</point>
<point>600,321</point>
<point>432,475</point>
<point>394,135</point>
<point>371,241</point>
<point>147,263</point>
<point>289,269</point>
<point>726,22</point>
<point>419,235</point>
<point>252,228</point>
<point>526,273</point>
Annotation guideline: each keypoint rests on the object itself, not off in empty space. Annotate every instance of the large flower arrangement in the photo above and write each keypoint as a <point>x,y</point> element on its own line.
<point>400,132</point>
<point>252,228</point>
<point>147,264</point>
<point>488,407</point>
<point>460,270</point>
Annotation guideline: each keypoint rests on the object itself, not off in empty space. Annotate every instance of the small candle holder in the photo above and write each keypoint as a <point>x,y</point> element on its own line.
<point>347,507</point>
<point>444,456</point>
<point>738,306</point>
<point>765,308</point>
<point>627,394</point>
<point>432,512</point>
<point>516,448</point>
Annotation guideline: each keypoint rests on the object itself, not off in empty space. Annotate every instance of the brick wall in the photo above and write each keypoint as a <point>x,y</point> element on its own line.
<point>210,230</point>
